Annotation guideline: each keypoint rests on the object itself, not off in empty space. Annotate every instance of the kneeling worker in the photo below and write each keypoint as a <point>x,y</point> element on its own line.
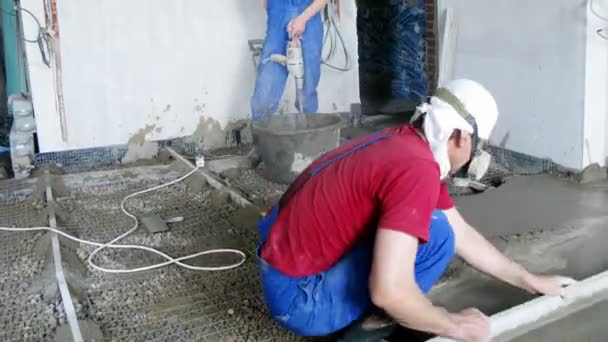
<point>371,224</point>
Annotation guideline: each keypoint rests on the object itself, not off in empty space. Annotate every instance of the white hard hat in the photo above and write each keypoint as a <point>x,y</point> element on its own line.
<point>478,102</point>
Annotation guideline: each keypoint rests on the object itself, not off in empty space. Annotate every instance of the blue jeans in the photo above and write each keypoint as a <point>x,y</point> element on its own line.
<point>327,302</point>
<point>271,77</point>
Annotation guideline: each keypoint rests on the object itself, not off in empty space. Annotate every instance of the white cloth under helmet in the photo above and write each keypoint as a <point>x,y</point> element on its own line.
<point>442,118</point>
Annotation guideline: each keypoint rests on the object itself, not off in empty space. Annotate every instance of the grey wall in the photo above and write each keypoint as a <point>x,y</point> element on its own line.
<point>531,55</point>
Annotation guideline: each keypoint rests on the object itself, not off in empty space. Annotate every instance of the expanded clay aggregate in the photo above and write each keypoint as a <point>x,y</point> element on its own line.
<point>29,311</point>
<point>171,303</point>
<point>167,304</point>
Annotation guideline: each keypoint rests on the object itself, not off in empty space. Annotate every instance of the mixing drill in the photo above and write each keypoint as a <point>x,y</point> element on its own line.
<point>295,66</point>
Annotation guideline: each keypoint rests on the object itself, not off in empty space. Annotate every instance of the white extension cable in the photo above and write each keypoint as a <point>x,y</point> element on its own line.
<point>334,36</point>
<point>111,244</point>
<point>601,31</point>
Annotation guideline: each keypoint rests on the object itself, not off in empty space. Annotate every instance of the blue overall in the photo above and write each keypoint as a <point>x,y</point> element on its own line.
<point>327,302</point>
<point>272,77</point>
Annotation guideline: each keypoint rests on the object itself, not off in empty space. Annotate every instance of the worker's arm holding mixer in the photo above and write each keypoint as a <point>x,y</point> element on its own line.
<point>298,24</point>
<point>393,286</point>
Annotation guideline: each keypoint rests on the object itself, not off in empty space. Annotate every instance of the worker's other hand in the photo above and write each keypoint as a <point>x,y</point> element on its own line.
<point>471,326</point>
<point>296,27</point>
<point>554,285</point>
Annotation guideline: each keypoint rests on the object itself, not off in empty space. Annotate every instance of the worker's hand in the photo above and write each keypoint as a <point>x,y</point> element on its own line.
<point>265,5</point>
<point>296,27</point>
<point>547,285</point>
<point>471,326</point>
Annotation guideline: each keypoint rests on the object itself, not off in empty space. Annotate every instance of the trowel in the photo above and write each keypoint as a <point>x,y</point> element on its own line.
<point>476,169</point>
<point>469,183</point>
<point>156,224</point>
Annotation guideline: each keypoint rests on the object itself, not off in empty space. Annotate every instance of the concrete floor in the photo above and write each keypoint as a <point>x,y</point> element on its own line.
<point>169,304</point>
<point>535,203</point>
<point>583,324</point>
<point>548,223</point>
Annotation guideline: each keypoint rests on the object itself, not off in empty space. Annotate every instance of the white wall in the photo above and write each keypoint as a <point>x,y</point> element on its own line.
<point>531,56</point>
<point>596,83</point>
<point>155,68</point>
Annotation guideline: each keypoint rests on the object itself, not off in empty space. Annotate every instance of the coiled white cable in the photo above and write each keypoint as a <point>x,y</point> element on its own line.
<point>334,36</point>
<point>111,244</point>
<point>595,12</point>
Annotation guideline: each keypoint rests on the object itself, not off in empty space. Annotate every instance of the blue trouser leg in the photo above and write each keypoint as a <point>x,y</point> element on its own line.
<point>434,256</point>
<point>271,77</point>
<point>327,302</point>
<point>312,45</point>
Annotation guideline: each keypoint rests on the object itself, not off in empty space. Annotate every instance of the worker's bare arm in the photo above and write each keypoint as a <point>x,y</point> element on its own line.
<point>481,254</point>
<point>393,288</point>
<point>297,25</point>
<point>313,9</point>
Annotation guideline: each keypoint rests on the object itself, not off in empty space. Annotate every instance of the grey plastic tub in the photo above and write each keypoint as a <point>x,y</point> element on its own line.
<point>288,143</point>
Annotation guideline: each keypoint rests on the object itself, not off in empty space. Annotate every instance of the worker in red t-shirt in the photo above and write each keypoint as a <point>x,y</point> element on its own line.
<point>371,225</point>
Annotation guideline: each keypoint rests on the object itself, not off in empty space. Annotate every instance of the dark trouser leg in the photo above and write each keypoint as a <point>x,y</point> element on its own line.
<point>431,262</point>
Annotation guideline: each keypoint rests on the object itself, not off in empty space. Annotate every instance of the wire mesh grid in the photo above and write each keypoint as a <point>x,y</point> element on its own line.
<point>16,189</point>
<point>27,311</point>
<point>253,183</point>
<point>255,186</point>
<point>523,164</point>
<point>171,303</point>
<point>162,305</point>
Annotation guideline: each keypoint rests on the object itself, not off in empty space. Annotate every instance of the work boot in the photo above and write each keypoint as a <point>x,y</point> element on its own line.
<point>380,328</point>
<point>371,328</point>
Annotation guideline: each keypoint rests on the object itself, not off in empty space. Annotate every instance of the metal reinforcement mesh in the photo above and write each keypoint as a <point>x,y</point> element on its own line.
<point>523,164</point>
<point>26,313</point>
<point>256,187</point>
<point>106,158</point>
<point>172,303</point>
<point>12,189</point>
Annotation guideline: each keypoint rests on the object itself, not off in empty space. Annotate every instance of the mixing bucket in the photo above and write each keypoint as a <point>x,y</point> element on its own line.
<point>288,143</point>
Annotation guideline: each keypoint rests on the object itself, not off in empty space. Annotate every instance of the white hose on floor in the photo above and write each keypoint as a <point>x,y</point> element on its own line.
<point>111,244</point>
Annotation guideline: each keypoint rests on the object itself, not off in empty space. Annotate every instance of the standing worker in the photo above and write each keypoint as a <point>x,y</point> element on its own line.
<point>371,224</point>
<point>298,21</point>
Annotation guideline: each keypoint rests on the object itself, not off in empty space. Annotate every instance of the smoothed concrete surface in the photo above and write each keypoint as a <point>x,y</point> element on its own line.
<point>534,203</point>
<point>551,226</point>
<point>578,253</point>
<point>584,325</point>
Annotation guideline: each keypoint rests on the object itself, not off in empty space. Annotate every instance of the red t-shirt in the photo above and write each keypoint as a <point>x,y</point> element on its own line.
<point>393,183</point>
